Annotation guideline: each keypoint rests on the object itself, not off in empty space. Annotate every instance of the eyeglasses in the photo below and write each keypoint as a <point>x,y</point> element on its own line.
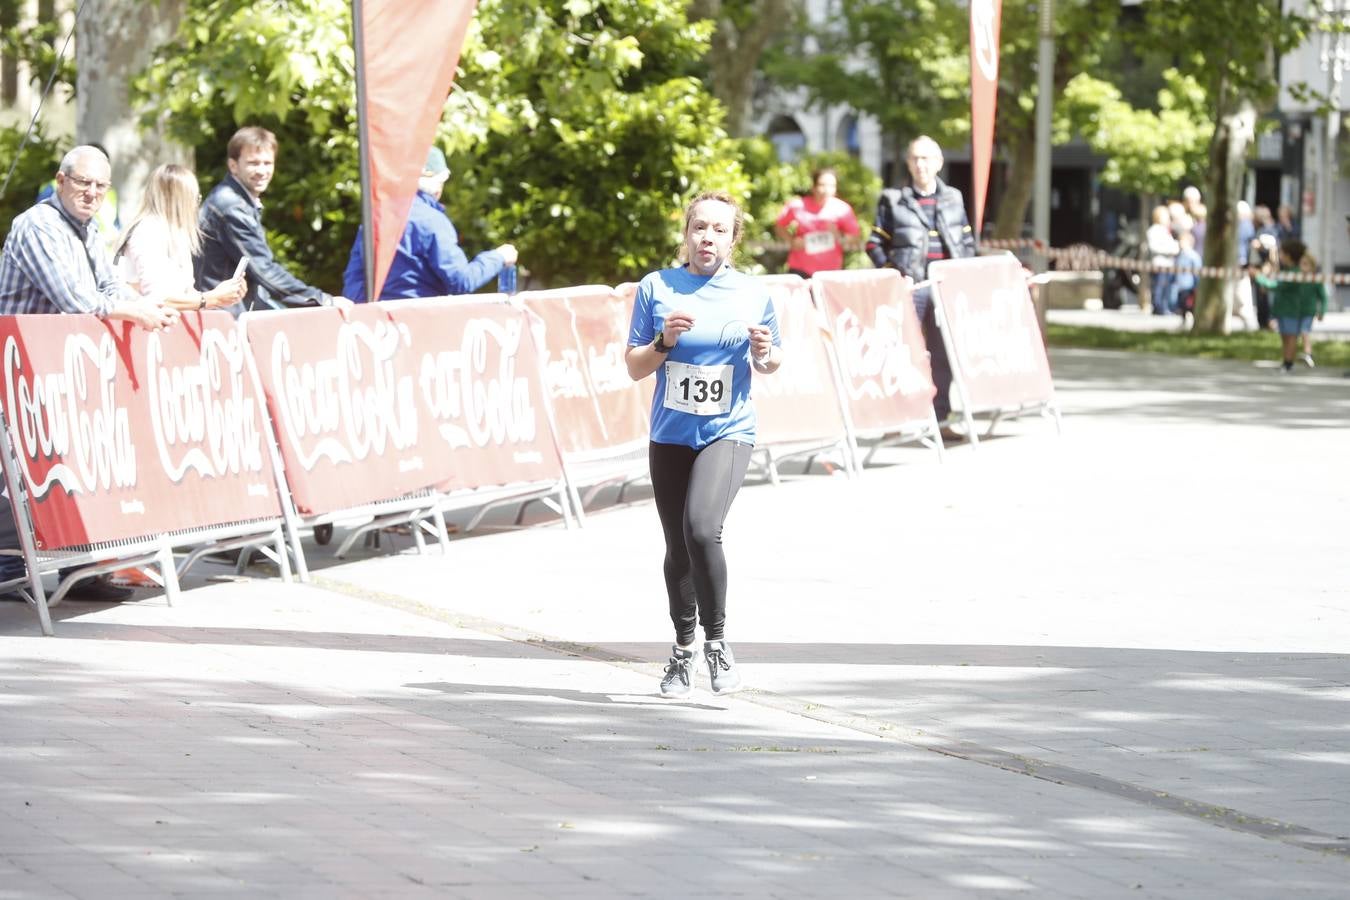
<point>85,184</point>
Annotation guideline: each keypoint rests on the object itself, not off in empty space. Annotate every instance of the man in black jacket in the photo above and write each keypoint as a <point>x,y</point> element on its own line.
<point>914,226</point>
<point>231,223</point>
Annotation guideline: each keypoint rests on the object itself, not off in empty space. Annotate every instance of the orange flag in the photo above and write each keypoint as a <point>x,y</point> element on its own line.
<point>985,19</point>
<point>406,54</point>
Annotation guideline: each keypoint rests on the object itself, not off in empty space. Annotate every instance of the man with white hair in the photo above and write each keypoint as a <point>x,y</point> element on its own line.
<point>916,225</point>
<point>55,261</point>
<point>428,261</point>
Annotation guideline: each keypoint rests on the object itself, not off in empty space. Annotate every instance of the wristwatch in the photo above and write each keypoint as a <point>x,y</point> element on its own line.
<point>660,345</point>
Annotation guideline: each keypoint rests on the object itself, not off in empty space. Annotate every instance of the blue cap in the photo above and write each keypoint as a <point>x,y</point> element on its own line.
<point>435,163</point>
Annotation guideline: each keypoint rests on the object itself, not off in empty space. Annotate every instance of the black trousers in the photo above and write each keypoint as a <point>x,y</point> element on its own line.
<point>693,490</point>
<point>937,353</point>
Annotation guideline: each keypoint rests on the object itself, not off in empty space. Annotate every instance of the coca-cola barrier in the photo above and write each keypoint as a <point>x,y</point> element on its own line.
<point>993,339</point>
<point>799,404</point>
<point>388,399</point>
<point>886,379</point>
<point>583,334</point>
<point>121,433</point>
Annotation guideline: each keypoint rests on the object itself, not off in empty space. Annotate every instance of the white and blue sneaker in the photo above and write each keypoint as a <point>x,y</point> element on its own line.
<point>721,667</point>
<point>679,678</point>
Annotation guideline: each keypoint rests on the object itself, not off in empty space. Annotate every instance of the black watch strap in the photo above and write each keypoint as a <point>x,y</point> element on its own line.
<point>660,345</point>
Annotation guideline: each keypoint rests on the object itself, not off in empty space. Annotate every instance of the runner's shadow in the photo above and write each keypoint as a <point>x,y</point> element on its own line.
<point>505,691</point>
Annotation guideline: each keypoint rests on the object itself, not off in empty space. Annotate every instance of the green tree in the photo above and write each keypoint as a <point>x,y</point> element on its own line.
<point>907,64</point>
<point>580,130</point>
<point>743,31</point>
<point>1231,51</point>
<point>1082,30</point>
<point>288,66</point>
<point>902,62</point>
<point>37,162</point>
<point>576,128</point>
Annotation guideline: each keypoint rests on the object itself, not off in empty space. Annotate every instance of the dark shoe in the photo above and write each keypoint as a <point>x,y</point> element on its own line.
<point>99,590</point>
<point>951,436</point>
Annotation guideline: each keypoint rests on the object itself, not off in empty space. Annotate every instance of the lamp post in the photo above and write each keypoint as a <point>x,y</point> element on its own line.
<point>1335,56</point>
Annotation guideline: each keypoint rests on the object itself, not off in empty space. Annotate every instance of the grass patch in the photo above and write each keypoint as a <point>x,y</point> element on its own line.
<point>1243,345</point>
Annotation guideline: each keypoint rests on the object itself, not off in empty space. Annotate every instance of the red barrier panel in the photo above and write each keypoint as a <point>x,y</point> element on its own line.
<point>584,332</point>
<point>124,434</point>
<point>391,398</point>
<point>799,402</point>
<point>478,378</point>
<point>888,381</point>
<point>997,351</point>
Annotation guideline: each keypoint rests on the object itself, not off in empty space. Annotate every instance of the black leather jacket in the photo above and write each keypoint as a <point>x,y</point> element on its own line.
<point>232,228</point>
<point>900,236</point>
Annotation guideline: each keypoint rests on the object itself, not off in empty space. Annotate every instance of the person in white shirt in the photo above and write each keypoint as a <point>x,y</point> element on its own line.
<point>156,251</point>
<point>1162,249</point>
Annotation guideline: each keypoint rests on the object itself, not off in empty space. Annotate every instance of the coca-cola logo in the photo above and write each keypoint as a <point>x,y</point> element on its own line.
<point>984,15</point>
<point>72,416</point>
<point>877,362</point>
<point>608,371</point>
<point>565,378</point>
<point>995,336</point>
<point>474,393</point>
<point>203,418</point>
<point>351,405</point>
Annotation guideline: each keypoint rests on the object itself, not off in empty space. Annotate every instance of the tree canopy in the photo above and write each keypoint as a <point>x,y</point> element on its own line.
<point>576,129</point>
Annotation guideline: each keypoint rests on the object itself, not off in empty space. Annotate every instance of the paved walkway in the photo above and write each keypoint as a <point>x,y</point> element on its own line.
<point>1107,664</point>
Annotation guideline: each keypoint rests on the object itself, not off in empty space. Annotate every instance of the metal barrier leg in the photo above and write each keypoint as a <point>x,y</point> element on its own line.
<point>418,541</point>
<point>37,598</point>
<point>442,533</point>
<point>283,558</point>
<point>169,573</point>
<point>972,433</point>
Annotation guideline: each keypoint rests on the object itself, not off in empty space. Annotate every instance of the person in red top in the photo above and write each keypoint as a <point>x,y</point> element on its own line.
<point>816,227</point>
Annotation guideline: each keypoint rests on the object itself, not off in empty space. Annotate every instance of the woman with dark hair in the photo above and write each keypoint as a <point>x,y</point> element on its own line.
<point>816,226</point>
<point>701,327</point>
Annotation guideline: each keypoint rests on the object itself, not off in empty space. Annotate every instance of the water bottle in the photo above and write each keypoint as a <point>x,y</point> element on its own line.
<point>506,280</point>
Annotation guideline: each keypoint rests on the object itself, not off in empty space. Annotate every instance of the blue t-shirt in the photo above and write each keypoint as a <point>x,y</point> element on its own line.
<point>703,387</point>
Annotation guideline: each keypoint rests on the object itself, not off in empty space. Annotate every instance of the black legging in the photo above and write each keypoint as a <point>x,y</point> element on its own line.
<point>693,491</point>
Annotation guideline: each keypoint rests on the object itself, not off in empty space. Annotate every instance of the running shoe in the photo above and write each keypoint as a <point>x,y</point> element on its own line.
<point>1308,360</point>
<point>679,679</point>
<point>721,667</point>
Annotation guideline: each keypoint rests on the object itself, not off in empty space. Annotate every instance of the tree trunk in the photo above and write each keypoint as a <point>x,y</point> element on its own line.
<point>735,53</point>
<point>1233,134</point>
<point>114,41</point>
<point>1012,208</point>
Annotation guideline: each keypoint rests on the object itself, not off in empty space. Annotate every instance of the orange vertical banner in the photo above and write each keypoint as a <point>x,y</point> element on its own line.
<point>985,19</point>
<point>406,54</point>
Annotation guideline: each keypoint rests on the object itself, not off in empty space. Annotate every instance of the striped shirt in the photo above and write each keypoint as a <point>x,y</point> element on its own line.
<point>53,263</point>
<point>928,207</point>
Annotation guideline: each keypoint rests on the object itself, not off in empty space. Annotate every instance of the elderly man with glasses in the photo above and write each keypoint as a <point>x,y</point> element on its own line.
<point>55,261</point>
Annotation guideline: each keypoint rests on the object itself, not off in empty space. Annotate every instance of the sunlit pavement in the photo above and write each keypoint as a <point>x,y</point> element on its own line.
<point>1108,663</point>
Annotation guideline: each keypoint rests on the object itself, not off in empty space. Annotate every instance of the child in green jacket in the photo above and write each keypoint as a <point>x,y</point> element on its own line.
<point>1294,304</point>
